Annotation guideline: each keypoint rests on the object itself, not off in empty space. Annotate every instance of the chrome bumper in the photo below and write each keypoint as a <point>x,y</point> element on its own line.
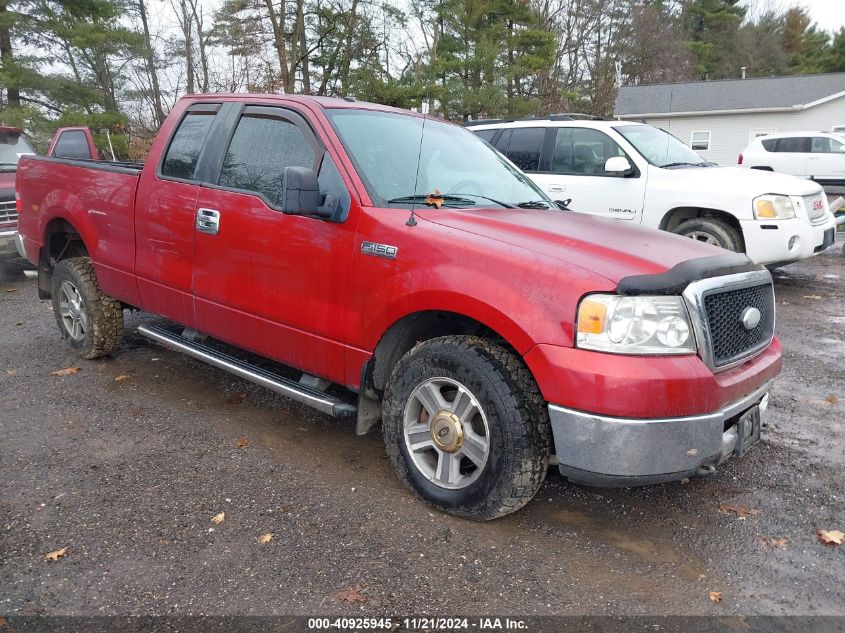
<point>611,452</point>
<point>7,243</point>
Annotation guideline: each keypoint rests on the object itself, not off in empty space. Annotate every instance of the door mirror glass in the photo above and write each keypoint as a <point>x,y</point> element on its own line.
<point>301,191</point>
<point>618,166</point>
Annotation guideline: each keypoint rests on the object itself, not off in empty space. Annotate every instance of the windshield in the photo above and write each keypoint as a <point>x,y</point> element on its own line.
<point>12,146</point>
<point>658,147</point>
<point>452,161</point>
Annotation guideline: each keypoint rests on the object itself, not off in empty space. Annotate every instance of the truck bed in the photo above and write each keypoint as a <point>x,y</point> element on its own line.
<point>96,197</point>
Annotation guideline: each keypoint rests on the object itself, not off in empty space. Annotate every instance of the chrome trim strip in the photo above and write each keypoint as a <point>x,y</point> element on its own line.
<point>19,245</point>
<point>266,379</point>
<point>694,297</point>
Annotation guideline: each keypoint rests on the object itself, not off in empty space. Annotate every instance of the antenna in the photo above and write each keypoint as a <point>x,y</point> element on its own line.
<point>412,221</point>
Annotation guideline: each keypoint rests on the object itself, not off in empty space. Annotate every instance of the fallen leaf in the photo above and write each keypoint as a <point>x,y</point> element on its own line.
<point>241,442</point>
<point>831,537</point>
<point>831,399</point>
<point>217,519</point>
<point>434,199</point>
<point>121,378</point>
<point>66,371</point>
<point>11,289</point>
<point>352,594</point>
<point>740,511</point>
<point>779,543</point>
<point>812,297</point>
<point>11,372</point>
<point>3,622</point>
<point>236,398</point>
<point>716,596</point>
<point>56,554</point>
<point>265,538</point>
<point>19,323</point>
<point>692,452</point>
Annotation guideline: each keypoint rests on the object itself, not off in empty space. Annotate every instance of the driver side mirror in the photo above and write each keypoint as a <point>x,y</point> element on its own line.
<point>301,195</point>
<point>618,166</point>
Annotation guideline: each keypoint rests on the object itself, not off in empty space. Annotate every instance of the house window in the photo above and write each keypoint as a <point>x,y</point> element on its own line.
<point>700,141</point>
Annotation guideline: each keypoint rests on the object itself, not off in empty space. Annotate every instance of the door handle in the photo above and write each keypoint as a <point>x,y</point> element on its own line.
<point>557,188</point>
<point>208,221</point>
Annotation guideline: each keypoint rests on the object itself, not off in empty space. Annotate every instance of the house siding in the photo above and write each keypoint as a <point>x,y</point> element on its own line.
<point>731,133</point>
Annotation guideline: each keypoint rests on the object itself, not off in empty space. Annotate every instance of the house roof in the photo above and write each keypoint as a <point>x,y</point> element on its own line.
<point>697,97</point>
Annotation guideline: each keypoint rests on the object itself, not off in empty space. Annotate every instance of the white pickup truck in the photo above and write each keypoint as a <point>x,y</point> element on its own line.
<point>639,173</point>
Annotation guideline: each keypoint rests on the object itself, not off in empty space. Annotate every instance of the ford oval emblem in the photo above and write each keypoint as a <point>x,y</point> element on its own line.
<point>750,318</point>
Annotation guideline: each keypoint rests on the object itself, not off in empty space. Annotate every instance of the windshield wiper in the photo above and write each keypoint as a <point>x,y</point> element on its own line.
<point>422,197</point>
<point>533,204</point>
<point>682,164</point>
<point>493,200</point>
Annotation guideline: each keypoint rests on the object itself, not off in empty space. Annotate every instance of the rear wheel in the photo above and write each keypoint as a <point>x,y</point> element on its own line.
<point>90,321</point>
<point>712,231</point>
<point>466,427</point>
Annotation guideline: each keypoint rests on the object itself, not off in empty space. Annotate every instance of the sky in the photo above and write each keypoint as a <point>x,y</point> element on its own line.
<point>828,14</point>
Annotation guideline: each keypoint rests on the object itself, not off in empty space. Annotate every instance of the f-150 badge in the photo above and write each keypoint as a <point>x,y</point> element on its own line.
<point>379,250</point>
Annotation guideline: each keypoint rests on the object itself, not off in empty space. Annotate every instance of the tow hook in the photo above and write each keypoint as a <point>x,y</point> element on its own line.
<point>705,470</point>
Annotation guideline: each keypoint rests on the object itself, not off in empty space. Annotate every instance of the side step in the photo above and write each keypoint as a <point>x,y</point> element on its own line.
<point>293,390</point>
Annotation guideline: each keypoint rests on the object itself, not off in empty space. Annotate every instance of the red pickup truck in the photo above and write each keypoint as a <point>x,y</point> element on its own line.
<point>412,276</point>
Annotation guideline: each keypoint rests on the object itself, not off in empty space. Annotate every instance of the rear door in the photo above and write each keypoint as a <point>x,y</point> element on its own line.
<point>165,216</point>
<point>263,280</point>
<point>826,160</point>
<point>790,156</point>
<point>576,170</point>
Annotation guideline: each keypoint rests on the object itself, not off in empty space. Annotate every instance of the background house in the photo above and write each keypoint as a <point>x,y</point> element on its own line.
<point>719,118</point>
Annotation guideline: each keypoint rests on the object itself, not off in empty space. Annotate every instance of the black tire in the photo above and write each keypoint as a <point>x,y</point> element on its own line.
<point>719,231</point>
<point>519,430</point>
<point>104,315</point>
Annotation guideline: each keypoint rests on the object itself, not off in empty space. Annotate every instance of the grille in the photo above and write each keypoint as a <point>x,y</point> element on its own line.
<point>815,207</point>
<point>8,213</point>
<point>729,339</point>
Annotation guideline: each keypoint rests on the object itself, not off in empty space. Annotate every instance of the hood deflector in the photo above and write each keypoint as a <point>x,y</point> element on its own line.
<point>677,278</point>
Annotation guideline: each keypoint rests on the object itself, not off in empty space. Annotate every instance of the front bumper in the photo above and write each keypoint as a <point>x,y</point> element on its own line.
<point>7,243</point>
<point>604,451</point>
<point>767,241</point>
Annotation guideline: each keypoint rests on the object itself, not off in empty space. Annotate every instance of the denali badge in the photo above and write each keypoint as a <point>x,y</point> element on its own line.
<point>750,318</point>
<point>379,250</point>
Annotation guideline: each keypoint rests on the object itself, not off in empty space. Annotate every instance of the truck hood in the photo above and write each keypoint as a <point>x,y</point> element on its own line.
<point>739,181</point>
<point>611,248</point>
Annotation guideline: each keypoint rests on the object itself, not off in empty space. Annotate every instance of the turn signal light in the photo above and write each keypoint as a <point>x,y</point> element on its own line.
<point>591,316</point>
<point>18,206</point>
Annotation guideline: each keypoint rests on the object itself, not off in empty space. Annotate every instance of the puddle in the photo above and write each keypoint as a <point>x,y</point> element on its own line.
<point>647,550</point>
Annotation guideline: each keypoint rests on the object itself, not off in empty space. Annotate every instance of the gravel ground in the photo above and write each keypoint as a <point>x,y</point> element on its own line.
<point>127,474</point>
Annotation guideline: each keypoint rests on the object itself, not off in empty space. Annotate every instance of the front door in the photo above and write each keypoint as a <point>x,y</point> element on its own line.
<point>577,172</point>
<point>826,160</point>
<point>263,280</point>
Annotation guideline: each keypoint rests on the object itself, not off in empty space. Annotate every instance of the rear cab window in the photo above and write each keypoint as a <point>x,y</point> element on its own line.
<point>180,161</point>
<point>72,144</point>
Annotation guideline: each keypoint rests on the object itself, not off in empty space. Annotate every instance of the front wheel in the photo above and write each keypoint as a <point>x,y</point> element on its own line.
<point>90,321</point>
<point>712,231</point>
<point>466,427</point>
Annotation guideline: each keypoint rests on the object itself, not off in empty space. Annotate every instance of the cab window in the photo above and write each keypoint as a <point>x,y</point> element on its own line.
<point>185,147</point>
<point>583,151</point>
<point>826,145</point>
<point>262,146</point>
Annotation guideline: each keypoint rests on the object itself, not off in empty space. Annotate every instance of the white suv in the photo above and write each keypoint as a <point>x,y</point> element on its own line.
<point>639,173</point>
<point>816,155</point>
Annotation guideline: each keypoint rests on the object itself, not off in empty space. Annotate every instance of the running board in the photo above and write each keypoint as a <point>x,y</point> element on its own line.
<point>293,390</point>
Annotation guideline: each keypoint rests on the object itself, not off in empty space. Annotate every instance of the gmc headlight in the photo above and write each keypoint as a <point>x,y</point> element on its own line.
<point>634,325</point>
<point>772,207</point>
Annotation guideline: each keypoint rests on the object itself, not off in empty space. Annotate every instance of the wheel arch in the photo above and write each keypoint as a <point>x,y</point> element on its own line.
<point>673,218</point>
<point>61,240</point>
<point>414,328</point>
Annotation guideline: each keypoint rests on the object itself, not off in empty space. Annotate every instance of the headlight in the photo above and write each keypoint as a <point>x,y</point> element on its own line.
<point>771,207</point>
<point>634,325</point>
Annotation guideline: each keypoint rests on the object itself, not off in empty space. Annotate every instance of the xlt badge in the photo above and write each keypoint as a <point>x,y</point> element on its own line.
<point>379,250</point>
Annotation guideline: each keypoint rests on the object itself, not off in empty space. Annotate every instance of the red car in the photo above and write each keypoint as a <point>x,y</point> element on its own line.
<point>413,276</point>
